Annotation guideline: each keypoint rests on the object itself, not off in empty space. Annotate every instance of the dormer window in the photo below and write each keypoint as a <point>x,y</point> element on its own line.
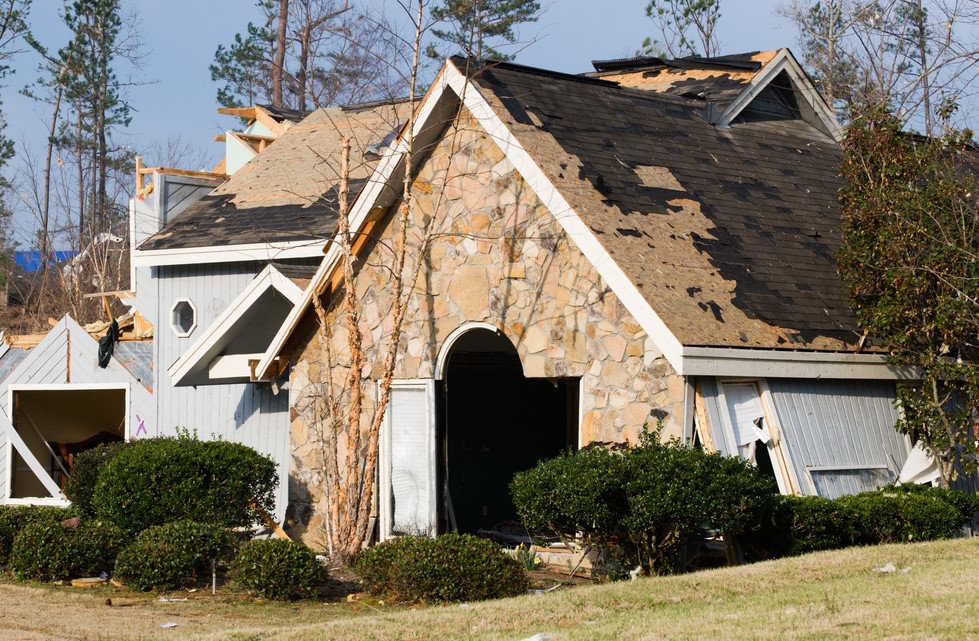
<point>183,317</point>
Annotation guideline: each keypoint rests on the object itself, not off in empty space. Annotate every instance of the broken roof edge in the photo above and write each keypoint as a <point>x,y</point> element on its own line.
<point>772,363</point>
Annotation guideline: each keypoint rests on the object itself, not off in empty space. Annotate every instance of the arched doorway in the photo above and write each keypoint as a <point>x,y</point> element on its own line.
<point>494,422</point>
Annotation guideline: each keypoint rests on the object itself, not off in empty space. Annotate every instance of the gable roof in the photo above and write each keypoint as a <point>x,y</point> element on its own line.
<point>244,328</point>
<point>285,196</point>
<point>719,241</point>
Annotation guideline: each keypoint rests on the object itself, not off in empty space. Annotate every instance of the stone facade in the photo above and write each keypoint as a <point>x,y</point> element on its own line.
<point>495,255</point>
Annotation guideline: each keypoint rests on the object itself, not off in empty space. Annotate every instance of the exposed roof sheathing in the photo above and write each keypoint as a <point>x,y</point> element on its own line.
<point>729,233</point>
<point>718,80</point>
<point>289,191</point>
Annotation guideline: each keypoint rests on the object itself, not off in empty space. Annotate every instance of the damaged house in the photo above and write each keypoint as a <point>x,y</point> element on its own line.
<point>649,244</point>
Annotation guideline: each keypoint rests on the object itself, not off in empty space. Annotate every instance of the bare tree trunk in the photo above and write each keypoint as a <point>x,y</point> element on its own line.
<point>279,60</point>
<point>922,38</point>
<point>46,207</point>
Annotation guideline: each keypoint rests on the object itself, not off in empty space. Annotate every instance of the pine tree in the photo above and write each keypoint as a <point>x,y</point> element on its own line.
<point>477,28</point>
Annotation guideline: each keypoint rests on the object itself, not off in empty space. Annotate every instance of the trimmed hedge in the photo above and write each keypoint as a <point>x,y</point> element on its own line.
<point>452,567</point>
<point>14,518</point>
<point>175,554</point>
<point>53,551</point>
<point>158,481</point>
<point>639,505</point>
<point>278,569</point>
<point>802,524</point>
<point>85,474</point>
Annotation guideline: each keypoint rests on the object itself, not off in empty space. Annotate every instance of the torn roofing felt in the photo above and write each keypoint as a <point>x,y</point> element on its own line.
<point>729,233</point>
<point>289,191</point>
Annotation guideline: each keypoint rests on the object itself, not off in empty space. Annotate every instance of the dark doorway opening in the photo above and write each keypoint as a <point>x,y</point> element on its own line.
<point>494,423</point>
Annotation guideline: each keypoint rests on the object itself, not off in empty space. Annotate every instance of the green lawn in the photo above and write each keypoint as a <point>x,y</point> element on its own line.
<point>830,595</point>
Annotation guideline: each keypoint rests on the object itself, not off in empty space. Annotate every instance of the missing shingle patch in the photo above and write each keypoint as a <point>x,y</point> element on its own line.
<point>657,176</point>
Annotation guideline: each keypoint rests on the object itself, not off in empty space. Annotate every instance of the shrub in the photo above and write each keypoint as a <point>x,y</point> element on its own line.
<point>278,569</point>
<point>157,481</point>
<point>640,505</point>
<point>85,473</point>
<point>817,523</point>
<point>890,517</point>
<point>51,551</point>
<point>167,556</point>
<point>452,567</point>
<point>14,518</point>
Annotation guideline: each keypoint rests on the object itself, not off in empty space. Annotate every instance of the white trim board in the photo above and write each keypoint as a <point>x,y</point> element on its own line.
<point>268,278</point>
<point>716,361</point>
<point>264,252</point>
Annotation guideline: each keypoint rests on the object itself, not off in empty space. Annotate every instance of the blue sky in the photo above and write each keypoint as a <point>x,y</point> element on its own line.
<point>180,36</point>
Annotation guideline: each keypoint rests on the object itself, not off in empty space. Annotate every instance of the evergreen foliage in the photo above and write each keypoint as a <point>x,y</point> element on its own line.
<point>157,481</point>
<point>641,504</point>
<point>479,28</point>
<point>278,569</point>
<point>910,261</point>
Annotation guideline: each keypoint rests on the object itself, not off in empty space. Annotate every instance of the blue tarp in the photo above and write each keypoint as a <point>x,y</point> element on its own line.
<point>30,261</point>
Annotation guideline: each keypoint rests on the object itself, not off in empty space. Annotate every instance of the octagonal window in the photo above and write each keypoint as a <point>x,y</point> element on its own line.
<point>183,317</point>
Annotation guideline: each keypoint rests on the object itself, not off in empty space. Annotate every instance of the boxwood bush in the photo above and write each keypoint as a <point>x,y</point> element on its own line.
<point>157,481</point>
<point>85,474</point>
<point>452,567</point>
<point>890,515</point>
<point>640,505</point>
<point>174,555</point>
<point>14,518</point>
<point>52,551</point>
<point>278,569</point>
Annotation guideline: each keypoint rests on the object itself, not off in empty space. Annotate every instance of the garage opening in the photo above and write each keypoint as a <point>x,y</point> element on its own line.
<point>58,424</point>
<point>494,423</point>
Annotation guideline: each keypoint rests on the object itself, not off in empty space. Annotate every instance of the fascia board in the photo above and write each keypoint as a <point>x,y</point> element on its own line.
<point>713,361</point>
<point>228,254</point>
<point>267,278</point>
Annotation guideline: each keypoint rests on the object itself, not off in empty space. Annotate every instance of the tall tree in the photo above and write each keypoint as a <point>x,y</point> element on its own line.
<point>479,28</point>
<point>916,56</point>
<point>331,53</point>
<point>910,258</point>
<point>687,27</point>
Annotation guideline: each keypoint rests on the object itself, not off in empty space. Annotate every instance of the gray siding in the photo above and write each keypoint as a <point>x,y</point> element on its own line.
<point>52,363</point>
<point>247,413</point>
<point>839,434</point>
<point>845,428</point>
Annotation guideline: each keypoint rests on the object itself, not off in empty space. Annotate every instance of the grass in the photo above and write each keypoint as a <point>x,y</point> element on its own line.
<point>829,595</point>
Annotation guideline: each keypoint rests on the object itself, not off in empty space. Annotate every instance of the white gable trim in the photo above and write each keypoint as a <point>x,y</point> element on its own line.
<point>783,60</point>
<point>228,254</point>
<point>269,277</point>
<point>358,214</point>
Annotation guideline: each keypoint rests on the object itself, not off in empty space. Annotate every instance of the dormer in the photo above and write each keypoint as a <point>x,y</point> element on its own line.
<point>750,87</point>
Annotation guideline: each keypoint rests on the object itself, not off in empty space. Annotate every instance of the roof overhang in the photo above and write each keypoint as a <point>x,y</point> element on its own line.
<point>757,363</point>
<point>212,358</point>
<point>312,248</point>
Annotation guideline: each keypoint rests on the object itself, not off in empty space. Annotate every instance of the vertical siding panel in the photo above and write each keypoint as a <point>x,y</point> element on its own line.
<point>217,409</point>
<point>840,424</point>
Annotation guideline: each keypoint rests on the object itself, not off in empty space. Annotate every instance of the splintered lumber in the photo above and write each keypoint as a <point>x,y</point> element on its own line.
<point>268,520</point>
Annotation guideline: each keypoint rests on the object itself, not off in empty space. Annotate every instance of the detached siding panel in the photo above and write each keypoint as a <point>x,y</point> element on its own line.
<point>839,434</point>
<point>246,413</point>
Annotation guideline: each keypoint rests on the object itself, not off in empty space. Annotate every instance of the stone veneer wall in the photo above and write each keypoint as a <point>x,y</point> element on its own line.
<point>497,256</point>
